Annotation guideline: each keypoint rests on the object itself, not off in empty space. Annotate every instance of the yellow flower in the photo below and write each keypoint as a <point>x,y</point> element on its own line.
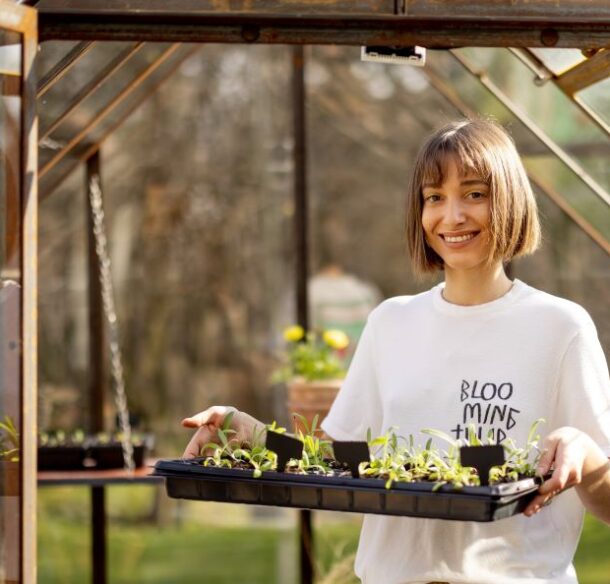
<point>294,333</point>
<point>336,339</point>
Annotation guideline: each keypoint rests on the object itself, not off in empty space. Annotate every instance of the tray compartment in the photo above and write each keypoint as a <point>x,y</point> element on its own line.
<point>305,497</point>
<point>368,502</point>
<point>276,495</point>
<point>337,499</point>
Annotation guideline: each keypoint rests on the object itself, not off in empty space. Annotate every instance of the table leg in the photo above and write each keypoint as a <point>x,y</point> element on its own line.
<point>307,559</point>
<point>98,534</point>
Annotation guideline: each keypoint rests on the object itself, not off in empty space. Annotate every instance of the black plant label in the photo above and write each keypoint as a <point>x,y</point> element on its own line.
<point>285,447</point>
<point>352,454</point>
<point>482,458</point>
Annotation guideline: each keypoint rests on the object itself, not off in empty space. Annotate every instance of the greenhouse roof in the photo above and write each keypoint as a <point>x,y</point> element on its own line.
<point>142,42</point>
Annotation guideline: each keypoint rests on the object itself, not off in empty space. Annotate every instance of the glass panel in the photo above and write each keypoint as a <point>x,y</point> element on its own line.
<point>10,53</point>
<point>358,173</point>
<point>540,162</point>
<point>67,89</point>
<point>559,60</point>
<point>550,109</point>
<point>112,98</point>
<point>597,97</point>
<point>207,210</point>
<point>10,309</point>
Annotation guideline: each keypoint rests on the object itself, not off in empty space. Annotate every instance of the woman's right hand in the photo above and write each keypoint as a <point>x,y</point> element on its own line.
<point>209,421</point>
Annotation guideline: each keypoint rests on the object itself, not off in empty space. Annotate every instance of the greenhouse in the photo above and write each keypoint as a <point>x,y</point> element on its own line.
<point>183,180</point>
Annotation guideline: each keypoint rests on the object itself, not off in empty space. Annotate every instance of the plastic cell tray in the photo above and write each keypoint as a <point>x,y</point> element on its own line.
<point>102,456</point>
<point>187,479</point>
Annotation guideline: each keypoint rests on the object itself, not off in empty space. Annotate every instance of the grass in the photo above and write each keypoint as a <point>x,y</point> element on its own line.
<point>219,544</point>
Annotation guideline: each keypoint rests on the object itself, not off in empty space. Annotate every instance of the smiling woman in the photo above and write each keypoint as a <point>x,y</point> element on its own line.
<point>481,351</point>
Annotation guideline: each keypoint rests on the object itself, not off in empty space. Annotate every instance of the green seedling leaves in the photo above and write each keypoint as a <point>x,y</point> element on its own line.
<point>393,458</point>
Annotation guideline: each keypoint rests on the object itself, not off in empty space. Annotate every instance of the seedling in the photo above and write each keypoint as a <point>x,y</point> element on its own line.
<point>389,461</point>
<point>317,453</point>
<point>9,441</point>
<point>230,454</point>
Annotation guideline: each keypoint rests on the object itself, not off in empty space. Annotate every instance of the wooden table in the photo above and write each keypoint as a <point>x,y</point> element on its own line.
<point>97,480</point>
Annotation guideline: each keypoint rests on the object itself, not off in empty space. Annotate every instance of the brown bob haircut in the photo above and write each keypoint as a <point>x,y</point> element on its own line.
<point>482,148</point>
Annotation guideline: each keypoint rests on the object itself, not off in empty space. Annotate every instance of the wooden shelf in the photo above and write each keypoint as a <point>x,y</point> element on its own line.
<point>99,477</point>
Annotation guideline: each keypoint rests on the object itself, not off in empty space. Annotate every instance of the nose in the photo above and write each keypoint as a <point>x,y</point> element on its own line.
<point>454,212</point>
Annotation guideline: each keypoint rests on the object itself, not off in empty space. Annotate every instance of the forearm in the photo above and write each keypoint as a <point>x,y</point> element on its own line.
<point>594,490</point>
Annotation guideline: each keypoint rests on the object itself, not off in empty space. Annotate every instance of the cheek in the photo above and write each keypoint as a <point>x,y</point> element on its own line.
<point>428,221</point>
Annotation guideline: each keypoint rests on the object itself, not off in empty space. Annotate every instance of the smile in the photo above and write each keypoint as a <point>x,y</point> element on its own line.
<point>459,238</point>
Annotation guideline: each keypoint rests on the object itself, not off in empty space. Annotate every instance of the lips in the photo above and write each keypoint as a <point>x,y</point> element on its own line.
<point>458,240</point>
<point>459,237</point>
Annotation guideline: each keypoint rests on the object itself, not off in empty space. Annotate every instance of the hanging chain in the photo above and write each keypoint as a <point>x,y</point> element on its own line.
<point>116,364</point>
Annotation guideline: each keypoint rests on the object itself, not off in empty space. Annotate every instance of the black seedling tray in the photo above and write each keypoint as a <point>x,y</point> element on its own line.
<point>188,479</point>
<point>94,456</point>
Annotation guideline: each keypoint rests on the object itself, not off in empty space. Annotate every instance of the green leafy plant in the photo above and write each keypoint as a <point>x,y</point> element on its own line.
<point>517,465</point>
<point>389,460</point>
<point>9,441</point>
<point>229,453</point>
<point>520,462</point>
<point>317,452</point>
<point>313,356</point>
<point>78,437</point>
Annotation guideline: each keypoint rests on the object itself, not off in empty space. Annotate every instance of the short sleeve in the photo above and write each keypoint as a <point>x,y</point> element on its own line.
<point>357,406</point>
<point>583,388</point>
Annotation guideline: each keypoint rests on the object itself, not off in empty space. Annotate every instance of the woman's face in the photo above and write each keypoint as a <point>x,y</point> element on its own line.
<point>455,218</point>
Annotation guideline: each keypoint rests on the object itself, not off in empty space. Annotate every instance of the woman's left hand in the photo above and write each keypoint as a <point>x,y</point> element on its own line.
<point>575,458</point>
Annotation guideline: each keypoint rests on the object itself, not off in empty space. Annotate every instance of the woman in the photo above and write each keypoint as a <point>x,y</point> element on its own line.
<point>477,349</point>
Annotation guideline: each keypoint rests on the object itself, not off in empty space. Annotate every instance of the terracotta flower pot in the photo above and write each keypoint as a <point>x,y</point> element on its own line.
<point>309,398</point>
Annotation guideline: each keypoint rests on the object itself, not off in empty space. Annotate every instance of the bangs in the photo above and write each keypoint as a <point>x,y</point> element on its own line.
<point>468,161</point>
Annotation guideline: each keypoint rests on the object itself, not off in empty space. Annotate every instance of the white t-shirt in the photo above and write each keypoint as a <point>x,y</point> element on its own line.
<point>423,362</point>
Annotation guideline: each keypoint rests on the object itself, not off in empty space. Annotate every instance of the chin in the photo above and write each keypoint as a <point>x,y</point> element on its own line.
<point>463,264</point>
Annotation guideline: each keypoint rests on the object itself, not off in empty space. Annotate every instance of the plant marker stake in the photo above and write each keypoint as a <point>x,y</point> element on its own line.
<point>285,447</point>
<point>352,454</point>
<point>482,458</point>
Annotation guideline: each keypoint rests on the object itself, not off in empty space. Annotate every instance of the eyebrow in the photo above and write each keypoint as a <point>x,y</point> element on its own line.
<point>467,182</point>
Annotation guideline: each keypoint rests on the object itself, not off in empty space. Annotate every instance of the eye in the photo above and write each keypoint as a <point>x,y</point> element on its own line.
<point>432,198</point>
<point>477,195</point>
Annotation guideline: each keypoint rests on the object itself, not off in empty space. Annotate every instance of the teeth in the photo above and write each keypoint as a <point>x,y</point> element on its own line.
<point>458,238</point>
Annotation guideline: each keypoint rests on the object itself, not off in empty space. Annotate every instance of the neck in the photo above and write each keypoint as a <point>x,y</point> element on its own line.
<point>469,289</point>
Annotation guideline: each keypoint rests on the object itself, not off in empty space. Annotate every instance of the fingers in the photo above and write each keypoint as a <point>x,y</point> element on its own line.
<point>565,452</point>
<point>213,415</point>
<point>201,437</point>
<point>538,502</point>
<point>546,459</point>
<point>199,419</point>
<point>207,423</point>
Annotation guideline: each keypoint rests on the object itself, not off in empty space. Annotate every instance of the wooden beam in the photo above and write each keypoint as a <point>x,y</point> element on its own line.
<point>433,24</point>
<point>47,189</point>
<point>585,74</point>
<point>107,109</point>
<point>193,7</point>
<point>547,9</point>
<point>543,74</point>
<point>91,87</point>
<point>60,69</point>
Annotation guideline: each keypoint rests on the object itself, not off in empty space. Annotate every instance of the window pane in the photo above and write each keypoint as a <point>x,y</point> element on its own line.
<point>559,60</point>
<point>598,98</point>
